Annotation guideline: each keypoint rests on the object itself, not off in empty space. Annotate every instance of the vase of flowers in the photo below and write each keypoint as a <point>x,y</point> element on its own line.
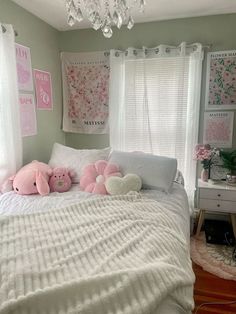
<point>204,153</point>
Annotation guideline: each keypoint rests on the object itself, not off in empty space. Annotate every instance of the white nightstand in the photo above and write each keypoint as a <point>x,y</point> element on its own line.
<point>218,197</point>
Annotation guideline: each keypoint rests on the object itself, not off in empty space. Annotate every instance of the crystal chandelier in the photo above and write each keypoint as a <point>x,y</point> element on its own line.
<point>102,14</point>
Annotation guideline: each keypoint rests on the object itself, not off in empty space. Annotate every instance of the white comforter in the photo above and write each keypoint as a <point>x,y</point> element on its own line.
<point>104,255</point>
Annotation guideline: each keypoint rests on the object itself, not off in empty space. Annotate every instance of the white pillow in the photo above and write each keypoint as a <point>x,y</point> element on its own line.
<point>75,159</point>
<point>156,172</point>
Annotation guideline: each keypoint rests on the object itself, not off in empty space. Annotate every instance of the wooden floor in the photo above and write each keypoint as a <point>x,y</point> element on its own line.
<point>209,288</point>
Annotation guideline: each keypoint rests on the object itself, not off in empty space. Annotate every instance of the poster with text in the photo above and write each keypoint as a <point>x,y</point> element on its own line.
<point>24,69</point>
<point>85,92</point>
<point>27,115</point>
<point>218,129</point>
<point>43,89</point>
<point>221,80</point>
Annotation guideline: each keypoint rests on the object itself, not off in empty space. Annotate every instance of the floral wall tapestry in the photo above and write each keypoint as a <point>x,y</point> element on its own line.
<point>221,80</point>
<point>85,92</point>
<point>218,128</point>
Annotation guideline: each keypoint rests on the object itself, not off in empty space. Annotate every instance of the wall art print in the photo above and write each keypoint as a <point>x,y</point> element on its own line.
<point>27,115</point>
<point>24,69</point>
<point>218,128</point>
<point>43,89</point>
<point>85,92</point>
<point>221,80</point>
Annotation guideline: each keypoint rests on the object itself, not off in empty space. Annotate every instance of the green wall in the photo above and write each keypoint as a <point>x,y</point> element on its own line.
<point>43,42</point>
<point>46,43</point>
<point>216,30</point>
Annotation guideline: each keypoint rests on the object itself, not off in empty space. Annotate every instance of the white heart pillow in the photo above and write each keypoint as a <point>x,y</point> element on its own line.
<point>117,185</point>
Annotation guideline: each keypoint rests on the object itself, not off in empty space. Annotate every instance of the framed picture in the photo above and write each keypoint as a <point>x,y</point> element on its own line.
<point>43,89</point>
<point>28,118</point>
<point>221,80</point>
<point>218,128</point>
<point>24,68</point>
<point>218,172</point>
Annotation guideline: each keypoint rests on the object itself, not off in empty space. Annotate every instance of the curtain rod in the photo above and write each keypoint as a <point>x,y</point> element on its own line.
<point>209,46</point>
<point>4,30</point>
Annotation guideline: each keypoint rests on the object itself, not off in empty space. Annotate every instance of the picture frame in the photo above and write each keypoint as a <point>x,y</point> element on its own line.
<point>217,171</point>
<point>221,80</point>
<point>218,128</point>
<point>43,89</point>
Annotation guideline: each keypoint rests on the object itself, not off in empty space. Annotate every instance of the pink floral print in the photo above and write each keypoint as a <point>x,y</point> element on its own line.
<point>222,85</point>
<point>88,92</point>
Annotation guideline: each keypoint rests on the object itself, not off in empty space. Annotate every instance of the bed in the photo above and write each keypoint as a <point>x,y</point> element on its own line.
<point>75,252</point>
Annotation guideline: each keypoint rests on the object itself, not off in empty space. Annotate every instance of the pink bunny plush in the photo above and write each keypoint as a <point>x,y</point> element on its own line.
<point>32,179</point>
<point>60,180</point>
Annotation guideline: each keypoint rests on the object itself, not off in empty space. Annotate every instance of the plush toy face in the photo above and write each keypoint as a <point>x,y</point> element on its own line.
<point>60,180</point>
<point>32,179</point>
<point>25,183</point>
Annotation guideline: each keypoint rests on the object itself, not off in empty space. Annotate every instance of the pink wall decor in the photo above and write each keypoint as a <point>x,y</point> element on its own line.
<point>85,92</point>
<point>221,80</point>
<point>43,89</point>
<point>27,115</point>
<point>24,69</point>
<point>218,128</point>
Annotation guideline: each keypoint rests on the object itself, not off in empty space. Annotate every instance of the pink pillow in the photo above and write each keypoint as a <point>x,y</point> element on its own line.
<point>94,176</point>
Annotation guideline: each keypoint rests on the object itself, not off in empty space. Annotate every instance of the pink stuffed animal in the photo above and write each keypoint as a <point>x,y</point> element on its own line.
<point>60,180</point>
<point>32,179</point>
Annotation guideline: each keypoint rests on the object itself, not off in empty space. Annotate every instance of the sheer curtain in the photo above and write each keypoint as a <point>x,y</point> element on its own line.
<point>155,103</point>
<point>10,133</point>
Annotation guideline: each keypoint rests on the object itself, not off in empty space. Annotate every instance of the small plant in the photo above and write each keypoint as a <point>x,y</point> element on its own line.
<point>229,160</point>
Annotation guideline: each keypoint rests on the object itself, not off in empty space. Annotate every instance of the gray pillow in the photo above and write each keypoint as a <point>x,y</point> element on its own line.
<point>156,172</point>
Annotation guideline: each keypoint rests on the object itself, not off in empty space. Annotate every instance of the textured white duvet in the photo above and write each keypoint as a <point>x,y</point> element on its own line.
<point>113,255</point>
<point>12,203</point>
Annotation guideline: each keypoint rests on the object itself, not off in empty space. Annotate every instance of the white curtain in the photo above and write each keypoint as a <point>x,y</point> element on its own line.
<point>10,132</point>
<point>155,102</point>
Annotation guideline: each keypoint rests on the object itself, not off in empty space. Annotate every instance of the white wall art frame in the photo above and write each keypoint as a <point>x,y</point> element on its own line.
<point>218,128</point>
<point>221,80</point>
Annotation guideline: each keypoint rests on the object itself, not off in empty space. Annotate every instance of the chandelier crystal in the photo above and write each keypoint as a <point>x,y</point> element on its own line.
<point>102,14</point>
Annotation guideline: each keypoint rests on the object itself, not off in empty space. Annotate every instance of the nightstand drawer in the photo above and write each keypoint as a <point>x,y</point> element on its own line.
<point>217,205</point>
<point>217,194</point>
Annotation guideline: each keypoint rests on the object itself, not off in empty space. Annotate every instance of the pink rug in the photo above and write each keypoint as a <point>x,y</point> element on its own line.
<point>216,259</point>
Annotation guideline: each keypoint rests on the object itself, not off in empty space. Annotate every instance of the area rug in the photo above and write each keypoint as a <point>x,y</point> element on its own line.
<point>216,259</point>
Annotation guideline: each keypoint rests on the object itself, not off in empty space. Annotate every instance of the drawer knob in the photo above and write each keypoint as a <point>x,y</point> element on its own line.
<point>218,205</point>
<point>219,195</point>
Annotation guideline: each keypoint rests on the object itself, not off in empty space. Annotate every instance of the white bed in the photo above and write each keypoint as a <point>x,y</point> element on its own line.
<point>174,203</point>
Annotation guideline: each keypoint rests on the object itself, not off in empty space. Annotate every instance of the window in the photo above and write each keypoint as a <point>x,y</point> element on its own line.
<point>154,105</point>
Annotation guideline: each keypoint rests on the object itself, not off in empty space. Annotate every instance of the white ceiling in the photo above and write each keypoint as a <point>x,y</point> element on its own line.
<point>54,13</point>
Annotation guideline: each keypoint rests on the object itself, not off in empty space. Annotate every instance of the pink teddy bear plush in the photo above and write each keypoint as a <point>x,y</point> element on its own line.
<point>60,180</point>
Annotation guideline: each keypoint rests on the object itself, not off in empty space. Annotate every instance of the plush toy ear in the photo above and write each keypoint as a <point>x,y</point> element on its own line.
<point>49,172</point>
<point>11,178</point>
<point>71,173</point>
<point>42,184</point>
<point>7,185</point>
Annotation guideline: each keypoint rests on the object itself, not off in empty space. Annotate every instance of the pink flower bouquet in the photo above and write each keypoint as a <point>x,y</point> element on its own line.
<point>204,154</point>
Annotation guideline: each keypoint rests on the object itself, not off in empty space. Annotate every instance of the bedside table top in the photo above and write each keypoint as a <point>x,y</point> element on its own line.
<point>219,186</point>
